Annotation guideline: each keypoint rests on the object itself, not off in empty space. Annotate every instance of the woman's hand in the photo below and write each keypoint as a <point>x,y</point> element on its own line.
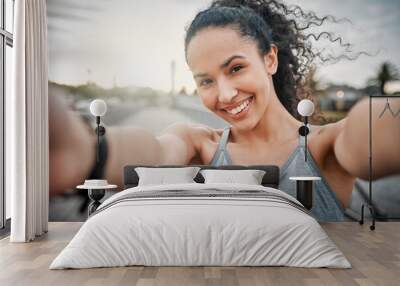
<point>72,147</point>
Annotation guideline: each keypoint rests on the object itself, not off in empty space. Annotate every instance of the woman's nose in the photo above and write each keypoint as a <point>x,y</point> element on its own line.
<point>226,92</point>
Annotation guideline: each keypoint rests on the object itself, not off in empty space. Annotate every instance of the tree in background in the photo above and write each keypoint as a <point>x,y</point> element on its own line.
<point>314,91</point>
<point>386,72</point>
<point>313,84</point>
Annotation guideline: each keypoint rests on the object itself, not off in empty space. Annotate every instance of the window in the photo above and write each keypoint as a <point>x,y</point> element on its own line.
<point>6,43</point>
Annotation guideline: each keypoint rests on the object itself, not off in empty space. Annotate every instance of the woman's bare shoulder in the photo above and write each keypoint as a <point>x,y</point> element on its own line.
<point>322,139</point>
<point>328,131</point>
<point>202,134</point>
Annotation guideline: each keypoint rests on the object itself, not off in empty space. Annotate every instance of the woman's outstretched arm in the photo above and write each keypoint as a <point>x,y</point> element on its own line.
<point>352,143</point>
<point>73,148</point>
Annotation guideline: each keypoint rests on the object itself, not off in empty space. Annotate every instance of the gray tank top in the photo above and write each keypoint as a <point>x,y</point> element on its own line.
<point>326,206</point>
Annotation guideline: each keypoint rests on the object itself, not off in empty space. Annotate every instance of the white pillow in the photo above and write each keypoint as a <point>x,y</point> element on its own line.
<point>248,177</point>
<point>162,176</point>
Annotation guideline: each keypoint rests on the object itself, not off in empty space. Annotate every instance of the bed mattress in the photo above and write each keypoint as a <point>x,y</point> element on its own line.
<point>201,225</point>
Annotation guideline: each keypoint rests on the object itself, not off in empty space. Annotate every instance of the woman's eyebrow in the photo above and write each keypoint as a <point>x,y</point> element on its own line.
<point>228,61</point>
<point>222,66</point>
<point>200,75</point>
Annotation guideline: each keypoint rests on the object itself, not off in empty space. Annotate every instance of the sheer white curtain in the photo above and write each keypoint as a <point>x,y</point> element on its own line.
<point>27,124</point>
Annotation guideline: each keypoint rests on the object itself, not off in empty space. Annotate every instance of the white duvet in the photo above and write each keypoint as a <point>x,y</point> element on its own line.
<point>183,231</point>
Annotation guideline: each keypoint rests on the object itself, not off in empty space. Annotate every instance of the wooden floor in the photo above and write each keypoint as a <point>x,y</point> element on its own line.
<point>374,255</point>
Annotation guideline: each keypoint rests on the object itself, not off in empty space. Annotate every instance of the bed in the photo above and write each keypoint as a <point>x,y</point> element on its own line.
<point>201,224</point>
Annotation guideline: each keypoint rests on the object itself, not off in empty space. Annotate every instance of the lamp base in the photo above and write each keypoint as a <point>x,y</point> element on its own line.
<point>304,193</point>
<point>95,196</point>
<point>372,211</point>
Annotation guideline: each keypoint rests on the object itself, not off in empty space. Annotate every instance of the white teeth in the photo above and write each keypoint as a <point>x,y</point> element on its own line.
<point>239,108</point>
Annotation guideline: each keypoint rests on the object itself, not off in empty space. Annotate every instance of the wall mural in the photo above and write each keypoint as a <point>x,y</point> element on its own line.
<point>171,90</point>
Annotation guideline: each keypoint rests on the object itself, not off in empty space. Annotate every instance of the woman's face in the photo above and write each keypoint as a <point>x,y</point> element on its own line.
<point>232,79</point>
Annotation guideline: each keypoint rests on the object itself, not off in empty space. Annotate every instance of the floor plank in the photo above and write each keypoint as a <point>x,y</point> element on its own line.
<point>374,255</point>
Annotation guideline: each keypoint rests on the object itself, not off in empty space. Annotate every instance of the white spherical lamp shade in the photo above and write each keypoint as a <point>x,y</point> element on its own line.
<point>305,107</point>
<point>98,107</point>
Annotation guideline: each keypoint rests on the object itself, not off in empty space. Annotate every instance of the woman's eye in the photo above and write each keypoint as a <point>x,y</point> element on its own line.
<point>236,68</point>
<point>205,82</point>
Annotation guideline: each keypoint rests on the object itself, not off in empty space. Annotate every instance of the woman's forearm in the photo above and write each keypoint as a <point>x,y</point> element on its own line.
<point>128,146</point>
<point>134,145</point>
<point>352,145</point>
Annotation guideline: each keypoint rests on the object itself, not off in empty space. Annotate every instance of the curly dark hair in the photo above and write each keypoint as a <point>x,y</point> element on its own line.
<point>272,22</point>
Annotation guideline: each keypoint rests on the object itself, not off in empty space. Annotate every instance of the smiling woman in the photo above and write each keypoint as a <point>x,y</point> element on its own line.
<point>249,60</point>
<point>235,77</point>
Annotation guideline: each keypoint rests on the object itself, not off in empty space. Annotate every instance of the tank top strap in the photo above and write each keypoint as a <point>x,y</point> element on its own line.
<point>302,141</point>
<point>224,138</point>
<point>221,156</point>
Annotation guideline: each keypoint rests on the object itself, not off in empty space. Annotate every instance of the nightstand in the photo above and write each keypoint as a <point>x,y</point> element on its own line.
<point>95,193</point>
<point>304,190</point>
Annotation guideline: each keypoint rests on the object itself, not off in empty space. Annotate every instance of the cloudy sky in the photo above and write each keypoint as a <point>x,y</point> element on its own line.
<point>133,42</point>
